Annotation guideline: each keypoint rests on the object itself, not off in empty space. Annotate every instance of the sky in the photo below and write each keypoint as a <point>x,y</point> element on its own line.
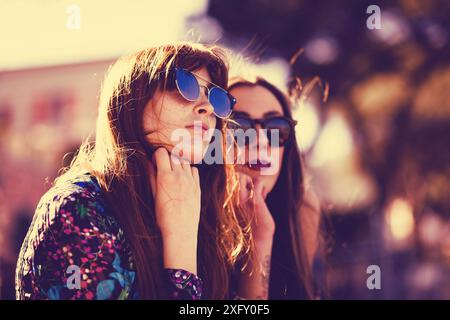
<point>48,32</point>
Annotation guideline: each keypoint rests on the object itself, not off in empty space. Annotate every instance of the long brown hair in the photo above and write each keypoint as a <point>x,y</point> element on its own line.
<point>118,160</point>
<point>291,274</point>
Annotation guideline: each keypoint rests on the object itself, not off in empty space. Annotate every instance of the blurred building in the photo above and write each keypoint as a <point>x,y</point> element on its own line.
<point>377,149</point>
<point>45,113</point>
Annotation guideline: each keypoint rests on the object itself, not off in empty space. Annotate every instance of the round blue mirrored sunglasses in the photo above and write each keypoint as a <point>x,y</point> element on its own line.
<point>189,88</point>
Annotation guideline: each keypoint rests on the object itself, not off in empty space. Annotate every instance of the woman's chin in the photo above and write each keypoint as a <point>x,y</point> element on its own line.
<point>242,168</point>
<point>193,155</point>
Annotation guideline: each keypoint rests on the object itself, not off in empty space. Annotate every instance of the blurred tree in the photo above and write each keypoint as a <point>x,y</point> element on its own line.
<point>393,84</point>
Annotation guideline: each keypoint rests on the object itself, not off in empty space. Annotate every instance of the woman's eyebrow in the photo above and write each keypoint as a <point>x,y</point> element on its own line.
<point>272,113</point>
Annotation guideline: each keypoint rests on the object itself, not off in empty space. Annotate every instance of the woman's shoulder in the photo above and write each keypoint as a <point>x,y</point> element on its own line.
<point>72,204</point>
<point>71,227</point>
<point>83,185</point>
<point>82,188</point>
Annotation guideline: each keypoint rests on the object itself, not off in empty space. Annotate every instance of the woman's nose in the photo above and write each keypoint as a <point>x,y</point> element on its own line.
<point>204,109</point>
<point>203,106</point>
<point>261,140</point>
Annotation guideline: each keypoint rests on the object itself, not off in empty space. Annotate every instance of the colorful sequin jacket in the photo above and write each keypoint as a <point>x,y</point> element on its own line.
<point>75,250</point>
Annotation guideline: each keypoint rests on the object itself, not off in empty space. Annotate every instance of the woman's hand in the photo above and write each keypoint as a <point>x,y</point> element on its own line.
<point>252,197</point>
<point>176,193</point>
<point>254,281</point>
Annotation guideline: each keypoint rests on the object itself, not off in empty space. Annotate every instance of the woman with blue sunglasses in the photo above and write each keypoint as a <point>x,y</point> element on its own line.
<point>130,218</point>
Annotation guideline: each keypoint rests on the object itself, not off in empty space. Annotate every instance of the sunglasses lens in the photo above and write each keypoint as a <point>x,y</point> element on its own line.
<point>242,135</point>
<point>187,84</point>
<point>242,123</point>
<point>221,102</point>
<point>283,127</point>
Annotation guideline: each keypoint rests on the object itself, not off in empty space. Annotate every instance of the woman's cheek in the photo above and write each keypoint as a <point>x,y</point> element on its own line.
<point>189,146</point>
<point>280,160</point>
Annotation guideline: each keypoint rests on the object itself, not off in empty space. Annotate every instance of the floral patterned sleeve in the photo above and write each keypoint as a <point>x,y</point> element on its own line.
<point>74,250</point>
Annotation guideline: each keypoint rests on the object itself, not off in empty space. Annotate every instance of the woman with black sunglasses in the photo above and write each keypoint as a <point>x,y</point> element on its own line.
<point>274,176</point>
<point>131,218</point>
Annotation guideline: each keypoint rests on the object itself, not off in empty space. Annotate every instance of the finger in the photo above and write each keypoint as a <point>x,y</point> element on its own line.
<point>195,175</point>
<point>243,192</point>
<point>152,177</point>
<point>175,162</point>
<point>265,192</point>
<point>259,186</point>
<point>186,165</point>
<point>245,187</point>
<point>242,187</point>
<point>162,160</point>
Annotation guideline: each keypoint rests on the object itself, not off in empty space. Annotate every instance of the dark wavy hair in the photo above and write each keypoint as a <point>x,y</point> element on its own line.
<point>118,159</point>
<point>291,274</point>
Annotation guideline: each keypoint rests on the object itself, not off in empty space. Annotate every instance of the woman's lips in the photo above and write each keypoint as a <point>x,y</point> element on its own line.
<point>258,165</point>
<point>202,127</point>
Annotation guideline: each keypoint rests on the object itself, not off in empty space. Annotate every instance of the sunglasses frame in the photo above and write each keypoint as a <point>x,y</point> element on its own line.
<point>261,121</point>
<point>232,99</point>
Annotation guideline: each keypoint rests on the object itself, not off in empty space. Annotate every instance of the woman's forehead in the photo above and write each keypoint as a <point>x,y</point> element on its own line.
<point>255,100</point>
<point>203,74</point>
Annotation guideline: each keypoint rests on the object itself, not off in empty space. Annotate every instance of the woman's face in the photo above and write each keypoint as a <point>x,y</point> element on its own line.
<point>178,124</point>
<point>257,102</point>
